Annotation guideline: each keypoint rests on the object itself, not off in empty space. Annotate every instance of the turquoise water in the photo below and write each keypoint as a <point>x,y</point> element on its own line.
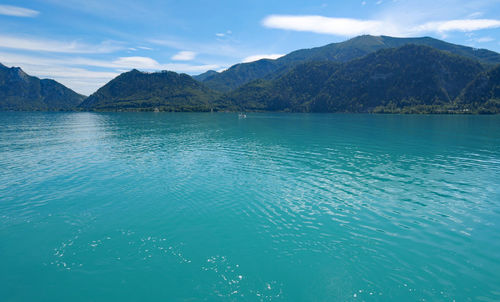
<point>274,207</point>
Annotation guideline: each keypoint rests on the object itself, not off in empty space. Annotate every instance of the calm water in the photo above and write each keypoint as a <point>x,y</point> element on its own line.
<point>275,207</point>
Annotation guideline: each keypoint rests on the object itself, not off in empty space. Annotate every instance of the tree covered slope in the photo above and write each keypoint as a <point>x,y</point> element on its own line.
<point>406,76</point>
<point>135,90</point>
<point>19,91</point>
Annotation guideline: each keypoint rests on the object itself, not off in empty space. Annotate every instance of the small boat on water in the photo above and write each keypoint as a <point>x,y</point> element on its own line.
<point>242,115</point>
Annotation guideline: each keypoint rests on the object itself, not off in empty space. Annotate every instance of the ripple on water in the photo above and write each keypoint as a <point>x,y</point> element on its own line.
<point>292,207</point>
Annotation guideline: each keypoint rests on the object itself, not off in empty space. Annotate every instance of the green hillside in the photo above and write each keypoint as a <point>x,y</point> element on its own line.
<point>166,91</point>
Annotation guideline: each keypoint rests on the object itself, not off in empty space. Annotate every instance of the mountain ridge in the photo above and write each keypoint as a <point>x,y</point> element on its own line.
<point>409,75</point>
<point>242,73</point>
<point>22,92</point>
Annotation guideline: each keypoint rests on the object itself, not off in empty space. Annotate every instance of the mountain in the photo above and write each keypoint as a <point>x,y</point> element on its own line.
<point>203,76</point>
<point>19,91</point>
<point>363,45</point>
<point>240,74</point>
<point>166,91</point>
<point>484,92</point>
<point>358,47</point>
<point>408,76</point>
<point>290,92</point>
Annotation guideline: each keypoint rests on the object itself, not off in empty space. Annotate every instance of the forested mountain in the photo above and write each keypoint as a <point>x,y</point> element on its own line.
<point>240,74</point>
<point>363,45</point>
<point>358,47</point>
<point>19,91</point>
<point>408,76</point>
<point>483,92</point>
<point>166,90</point>
<point>290,92</point>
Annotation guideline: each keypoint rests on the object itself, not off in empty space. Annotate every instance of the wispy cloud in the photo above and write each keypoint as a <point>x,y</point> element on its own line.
<point>485,39</point>
<point>227,33</point>
<point>17,11</point>
<point>184,56</point>
<point>475,15</point>
<point>217,48</point>
<point>323,25</point>
<point>261,56</point>
<point>56,46</point>
<point>135,62</point>
<point>353,27</point>
<point>146,63</point>
<point>481,39</point>
<point>465,25</point>
<point>121,63</point>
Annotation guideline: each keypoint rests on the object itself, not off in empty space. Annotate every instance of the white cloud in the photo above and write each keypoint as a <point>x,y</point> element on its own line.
<point>262,56</point>
<point>224,34</point>
<point>136,62</point>
<point>323,25</point>
<point>484,40</point>
<point>119,64</point>
<point>55,46</point>
<point>465,25</point>
<point>17,11</point>
<point>475,15</point>
<point>184,56</point>
<point>354,27</point>
<point>219,48</point>
<point>169,43</point>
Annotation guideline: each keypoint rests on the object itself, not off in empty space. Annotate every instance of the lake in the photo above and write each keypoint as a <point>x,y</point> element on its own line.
<point>273,207</point>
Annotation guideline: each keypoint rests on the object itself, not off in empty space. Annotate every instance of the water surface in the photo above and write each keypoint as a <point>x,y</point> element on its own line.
<point>274,207</point>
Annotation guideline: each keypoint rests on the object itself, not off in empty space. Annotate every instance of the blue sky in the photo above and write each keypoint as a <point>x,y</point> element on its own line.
<point>84,44</point>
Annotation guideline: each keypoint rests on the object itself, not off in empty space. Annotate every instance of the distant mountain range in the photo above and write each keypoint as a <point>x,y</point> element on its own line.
<point>364,74</point>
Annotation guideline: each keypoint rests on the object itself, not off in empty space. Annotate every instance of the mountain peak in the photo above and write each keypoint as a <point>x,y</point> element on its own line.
<point>17,74</point>
<point>201,77</point>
